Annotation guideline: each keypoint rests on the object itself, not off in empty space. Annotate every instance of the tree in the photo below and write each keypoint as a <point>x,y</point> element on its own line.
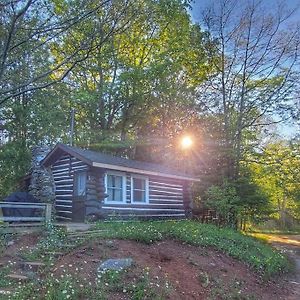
<point>255,71</point>
<point>276,171</point>
<point>139,85</point>
<point>238,203</point>
<point>31,31</point>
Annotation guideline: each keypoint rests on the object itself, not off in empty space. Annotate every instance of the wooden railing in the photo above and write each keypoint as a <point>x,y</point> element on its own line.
<point>44,207</point>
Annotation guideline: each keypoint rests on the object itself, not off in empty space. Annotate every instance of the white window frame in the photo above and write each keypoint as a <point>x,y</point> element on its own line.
<point>146,189</point>
<point>123,175</point>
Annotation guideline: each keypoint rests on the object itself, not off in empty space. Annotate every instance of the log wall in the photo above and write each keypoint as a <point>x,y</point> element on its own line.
<point>168,198</point>
<point>63,174</point>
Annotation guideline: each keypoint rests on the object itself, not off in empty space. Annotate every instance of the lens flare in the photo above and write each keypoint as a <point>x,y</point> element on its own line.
<point>186,142</point>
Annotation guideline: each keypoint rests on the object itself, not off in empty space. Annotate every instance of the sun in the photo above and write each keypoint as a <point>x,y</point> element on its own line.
<point>186,142</point>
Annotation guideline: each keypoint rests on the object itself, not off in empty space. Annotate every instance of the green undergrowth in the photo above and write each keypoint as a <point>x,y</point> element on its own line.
<point>105,286</point>
<point>53,239</point>
<point>261,257</point>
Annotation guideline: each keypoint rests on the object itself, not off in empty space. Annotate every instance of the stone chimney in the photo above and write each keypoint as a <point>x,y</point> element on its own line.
<point>42,183</point>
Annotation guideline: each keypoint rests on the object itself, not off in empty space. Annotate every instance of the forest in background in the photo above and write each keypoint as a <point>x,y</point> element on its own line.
<point>140,75</point>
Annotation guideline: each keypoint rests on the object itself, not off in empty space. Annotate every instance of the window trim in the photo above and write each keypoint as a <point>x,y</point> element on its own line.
<point>146,189</point>
<point>123,175</point>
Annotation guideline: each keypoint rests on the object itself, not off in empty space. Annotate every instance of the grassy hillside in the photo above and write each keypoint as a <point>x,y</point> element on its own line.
<point>172,260</point>
<point>261,257</point>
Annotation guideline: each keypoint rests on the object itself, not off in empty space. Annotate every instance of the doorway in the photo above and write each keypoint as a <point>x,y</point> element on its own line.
<point>79,196</point>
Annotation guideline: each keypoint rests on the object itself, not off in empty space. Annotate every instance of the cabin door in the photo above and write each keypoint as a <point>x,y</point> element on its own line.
<point>79,197</point>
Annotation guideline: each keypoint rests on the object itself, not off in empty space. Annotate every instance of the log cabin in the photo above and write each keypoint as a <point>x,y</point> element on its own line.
<point>90,184</point>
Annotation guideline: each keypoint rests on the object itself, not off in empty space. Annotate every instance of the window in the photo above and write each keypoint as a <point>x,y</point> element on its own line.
<point>139,189</point>
<point>115,187</point>
<point>80,184</point>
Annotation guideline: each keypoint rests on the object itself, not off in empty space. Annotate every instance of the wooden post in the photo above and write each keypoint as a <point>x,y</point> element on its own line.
<point>48,209</point>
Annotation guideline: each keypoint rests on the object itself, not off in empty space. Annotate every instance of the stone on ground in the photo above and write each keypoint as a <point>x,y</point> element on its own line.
<point>116,264</point>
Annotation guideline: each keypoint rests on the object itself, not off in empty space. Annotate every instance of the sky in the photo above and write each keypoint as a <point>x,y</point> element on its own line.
<point>287,130</point>
<point>197,5</point>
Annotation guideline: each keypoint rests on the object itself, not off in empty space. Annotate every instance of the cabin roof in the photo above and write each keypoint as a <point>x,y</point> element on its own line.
<point>102,160</point>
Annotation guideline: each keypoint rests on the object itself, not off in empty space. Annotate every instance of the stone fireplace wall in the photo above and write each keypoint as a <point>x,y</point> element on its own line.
<point>42,183</point>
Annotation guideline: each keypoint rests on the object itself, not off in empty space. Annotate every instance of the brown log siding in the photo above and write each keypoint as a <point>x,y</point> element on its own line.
<point>167,197</point>
<point>63,173</point>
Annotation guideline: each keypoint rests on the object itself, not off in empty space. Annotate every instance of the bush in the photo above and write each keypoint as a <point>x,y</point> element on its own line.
<point>225,201</point>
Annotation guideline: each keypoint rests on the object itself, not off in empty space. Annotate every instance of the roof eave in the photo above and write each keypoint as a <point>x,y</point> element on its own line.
<point>146,172</point>
<point>67,150</point>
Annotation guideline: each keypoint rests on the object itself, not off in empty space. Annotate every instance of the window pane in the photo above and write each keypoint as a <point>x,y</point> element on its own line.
<point>139,196</point>
<point>114,188</point>
<point>110,194</point>
<point>118,182</point>
<point>138,183</point>
<point>114,181</point>
<point>109,180</point>
<point>118,195</point>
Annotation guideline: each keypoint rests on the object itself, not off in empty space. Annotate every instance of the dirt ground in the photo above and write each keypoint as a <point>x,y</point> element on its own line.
<point>290,245</point>
<point>192,272</point>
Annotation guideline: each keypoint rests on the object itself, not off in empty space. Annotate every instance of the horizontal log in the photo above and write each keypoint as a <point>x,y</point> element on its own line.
<point>150,215</point>
<point>63,201</point>
<point>63,206</point>
<point>63,192</point>
<point>144,206</point>
<point>63,211</point>
<point>165,188</point>
<point>61,165</point>
<point>64,196</point>
<point>63,218</point>
<point>166,201</point>
<point>165,180</point>
<point>63,180</point>
<point>156,196</point>
<point>165,184</point>
<point>156,191</point>
<point>118,208</point>
<point>62,185</point>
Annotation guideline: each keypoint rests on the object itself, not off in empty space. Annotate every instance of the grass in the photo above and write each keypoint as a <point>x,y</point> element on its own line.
<point>70,286</point>
<point>135,283</point>
<point>259,256</point>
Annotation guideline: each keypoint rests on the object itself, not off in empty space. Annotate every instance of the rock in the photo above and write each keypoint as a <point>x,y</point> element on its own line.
<point>116,264</point>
